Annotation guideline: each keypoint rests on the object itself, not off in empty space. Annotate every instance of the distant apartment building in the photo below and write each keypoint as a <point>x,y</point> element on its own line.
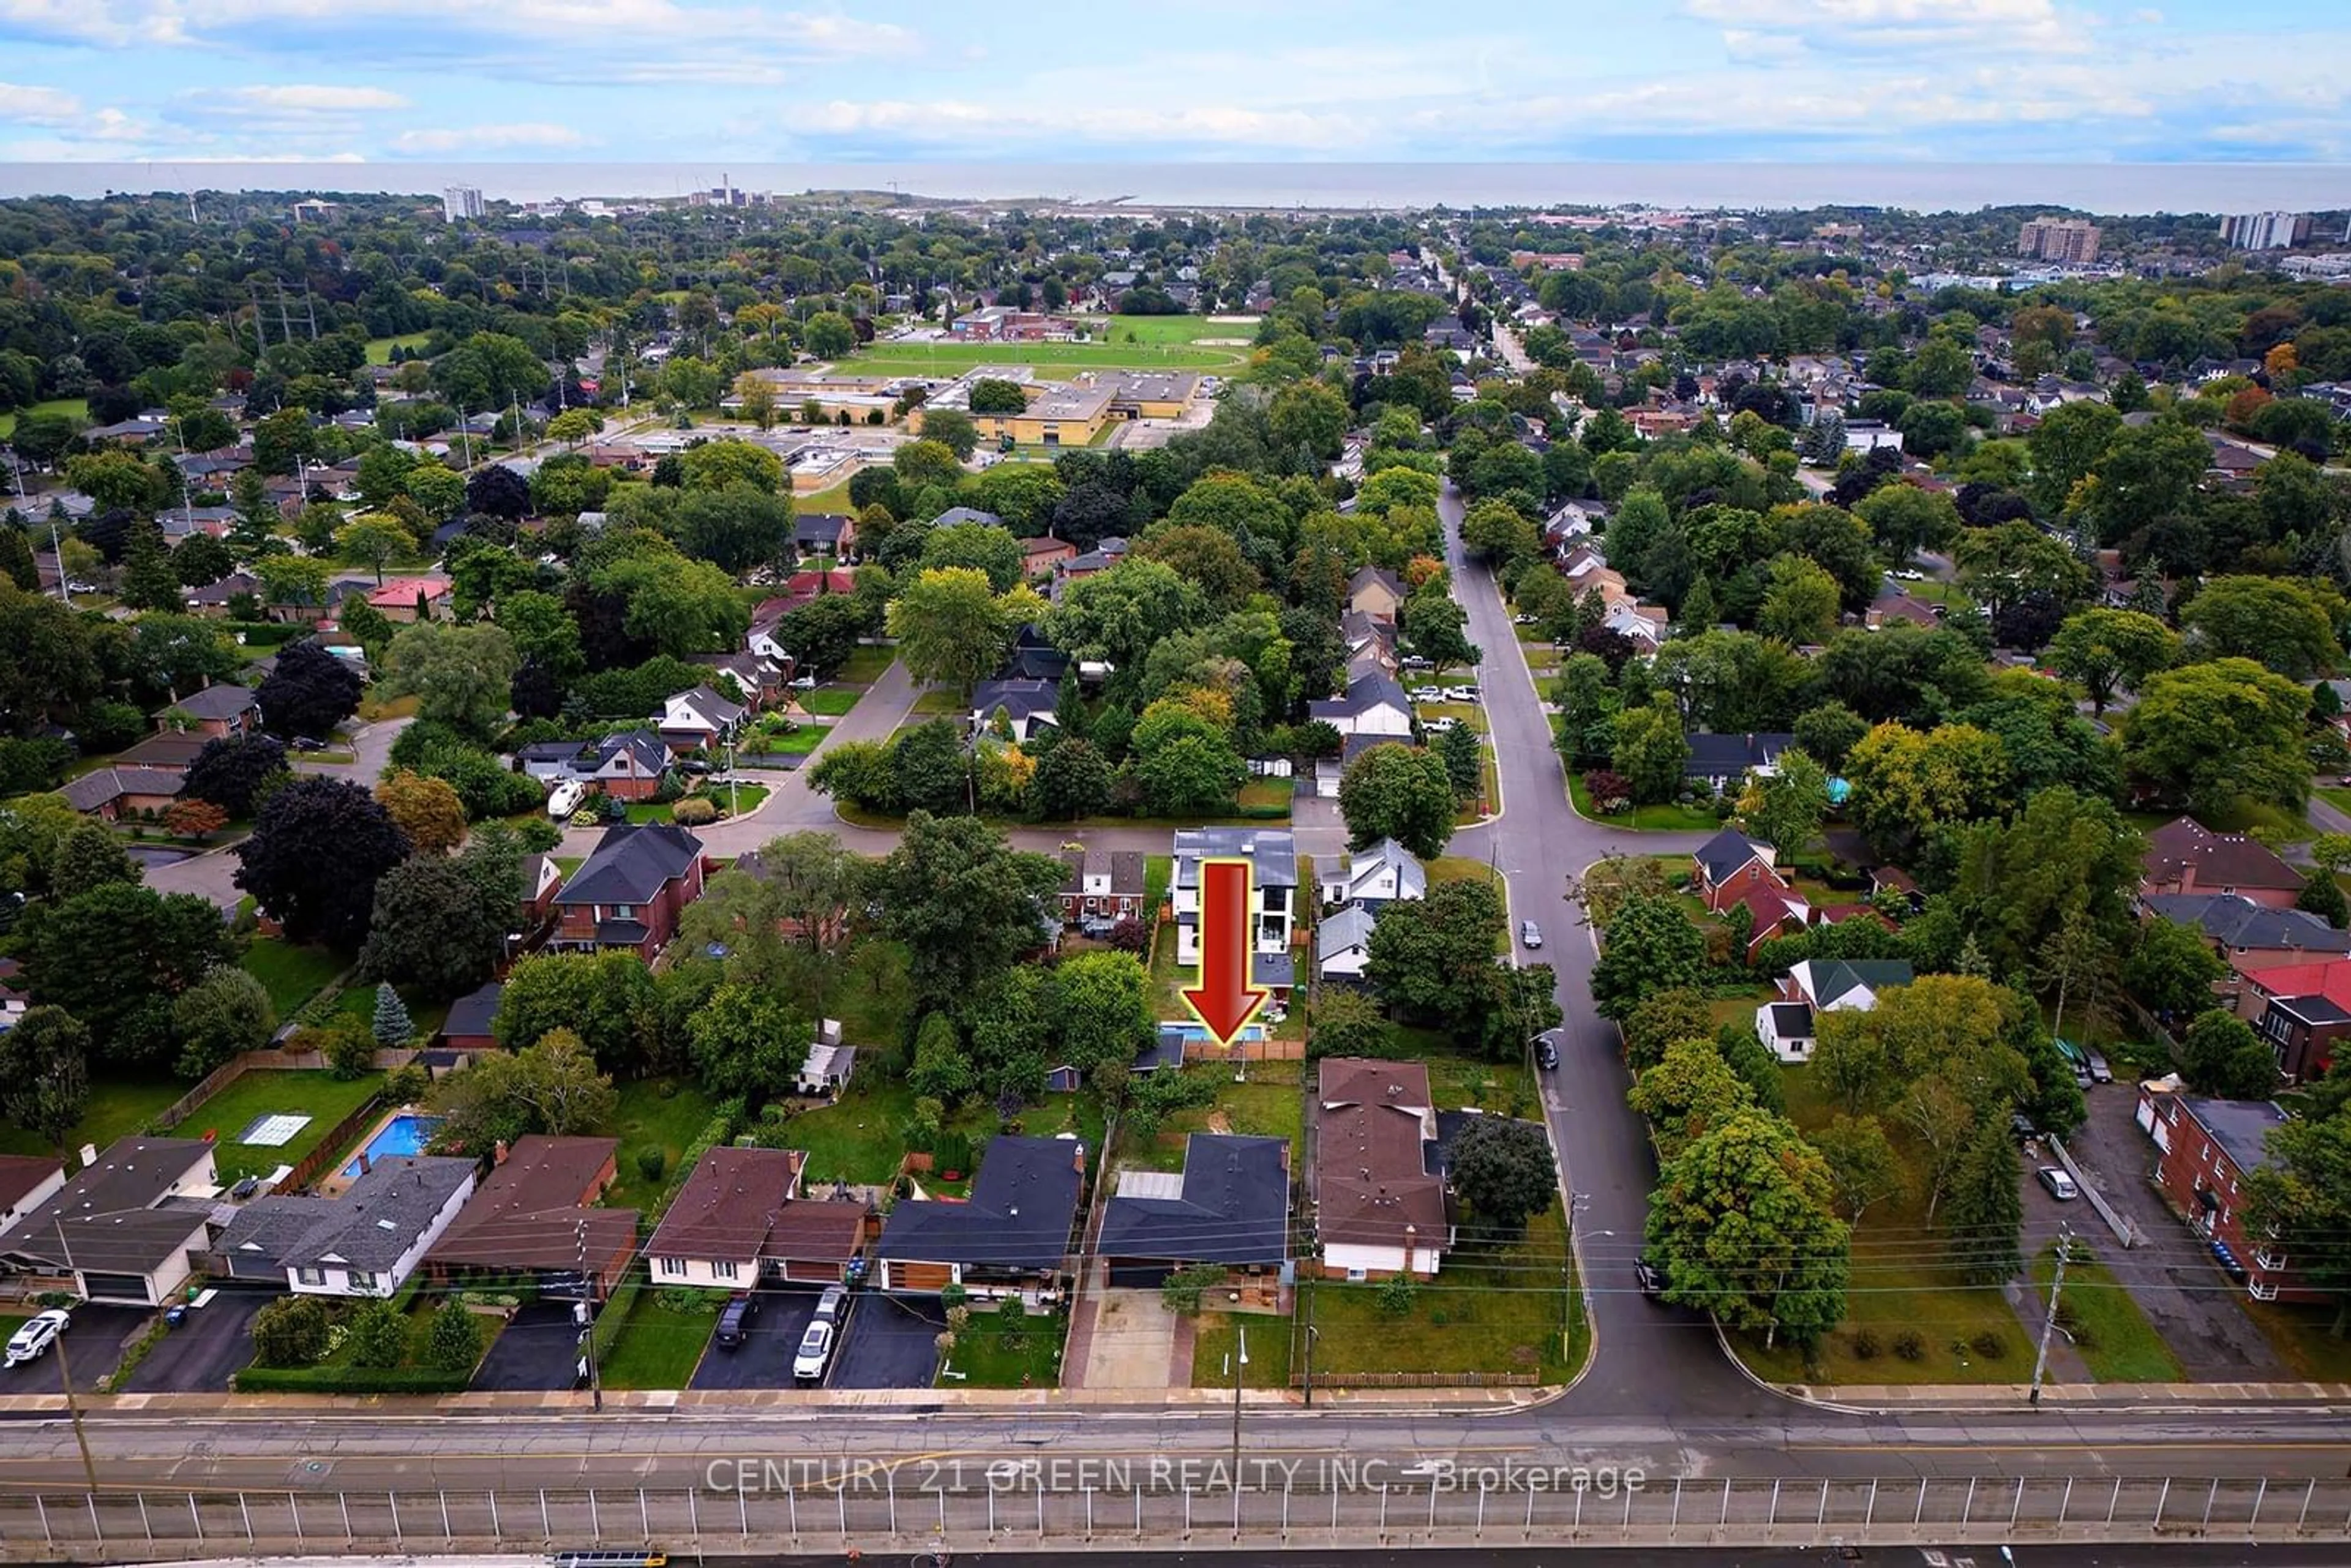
<point>2265,231</point>
<point>2074,240</point>
<point>460,202</point>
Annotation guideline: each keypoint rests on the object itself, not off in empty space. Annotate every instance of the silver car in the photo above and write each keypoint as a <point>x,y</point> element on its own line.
<point>1530,934</point>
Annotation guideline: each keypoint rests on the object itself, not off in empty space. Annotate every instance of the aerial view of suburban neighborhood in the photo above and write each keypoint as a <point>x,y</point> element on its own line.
<point>782,874</point>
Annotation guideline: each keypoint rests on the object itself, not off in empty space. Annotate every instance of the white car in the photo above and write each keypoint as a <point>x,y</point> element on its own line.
<point>815,1351</point>
<point>1461,693</point>
<point>828,1305</point>
<point>1911,574</point>
<point>1440,726</point>
<point>567,798</point>
<point>1428,694</point>
<point>33,1338</point>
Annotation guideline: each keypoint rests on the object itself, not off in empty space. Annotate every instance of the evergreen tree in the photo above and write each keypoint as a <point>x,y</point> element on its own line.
<point>1986,1208</point>
<point>1460,749</point>
<point>1069,708</point>
<point>17,558</point>
<point>149,581</point>
<point>391,1022</point>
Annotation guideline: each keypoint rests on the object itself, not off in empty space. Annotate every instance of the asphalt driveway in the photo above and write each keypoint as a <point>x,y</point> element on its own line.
<point>94,1345</point>
<point>538,1349</point>
<point>764,1360</point>
<point>891,1341</point>
<point>203,1352</point>
<point>2170,1273</point>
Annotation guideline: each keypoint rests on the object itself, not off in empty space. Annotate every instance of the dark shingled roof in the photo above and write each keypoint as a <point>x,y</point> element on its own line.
<point>632,862</point>
<point>1019,1216</point>
<point>1721,856</point>
<point>1235,1206</point>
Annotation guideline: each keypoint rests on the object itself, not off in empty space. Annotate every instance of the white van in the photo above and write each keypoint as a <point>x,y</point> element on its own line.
<point>567,798</point>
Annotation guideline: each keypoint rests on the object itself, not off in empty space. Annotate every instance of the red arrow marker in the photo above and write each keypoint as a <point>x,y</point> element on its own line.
<point>1224,1002</point>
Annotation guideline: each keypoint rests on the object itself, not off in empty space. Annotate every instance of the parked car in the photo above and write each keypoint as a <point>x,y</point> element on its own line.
<point>35,1334</point>
<point>1530,934</point>
<point>1522,620</point>
<point>1415,662</point>
<point>1911,574</point>
<point>735,1321</point>
<point>1546,1055</point>
<point>569,797</point>
<point>804,684</point>
<point>2099,1071</point>
<point>2020,1126</point>
<point>692,765</point>
<point>2061,1185</point>
<point>828,1305</point>
<point>1428,694</point>
<point>1461,693</point>
<point>1651,1278</point>
<point>1440,725</point>
<point>303,743</point>
<point>815,1351</point>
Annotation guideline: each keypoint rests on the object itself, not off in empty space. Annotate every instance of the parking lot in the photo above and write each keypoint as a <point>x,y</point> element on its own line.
<point>537,1349</point>
<point>94,1344</point>
<point>205,1351</point>
<point>2170,1273</point>
<point>891,1343</point>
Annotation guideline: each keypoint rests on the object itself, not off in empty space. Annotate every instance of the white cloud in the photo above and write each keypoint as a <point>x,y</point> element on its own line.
<point>21,105</point>
<point>473,139</point>
<point>1999,26</point>
<point>293,97</point>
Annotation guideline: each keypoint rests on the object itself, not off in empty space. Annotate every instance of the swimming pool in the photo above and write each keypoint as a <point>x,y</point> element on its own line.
<point>403,1134</point>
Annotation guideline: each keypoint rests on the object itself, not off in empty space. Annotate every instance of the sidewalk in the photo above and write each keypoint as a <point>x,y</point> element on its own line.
<point>2007,1396</point>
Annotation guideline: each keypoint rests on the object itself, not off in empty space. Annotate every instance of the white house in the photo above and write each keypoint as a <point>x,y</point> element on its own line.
<point>364,1243</point>
<point>1822,986</point>
<point>1378,873</point>
<point>697,717</point>
<point>742,1217</point>
<point>1273,898</point>
<point>1374,705</point>
<point>125,1227</point>
<point>1342,944</point>
<point>26,1182</point>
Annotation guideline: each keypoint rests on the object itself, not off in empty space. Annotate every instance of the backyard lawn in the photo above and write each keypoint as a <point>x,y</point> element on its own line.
<point>999,1350</point>
<point>2114,1337</point>
<point>861,1137</point>
<point>291,975</point>
<point>1271,1104</point>
<point>654,1114</point>
<point>379,350</point>
<point>322,1096</point>
<point>656,1346</point>
<point>1262,794</point>
<point>117,1108</point>
<point>73,408</point>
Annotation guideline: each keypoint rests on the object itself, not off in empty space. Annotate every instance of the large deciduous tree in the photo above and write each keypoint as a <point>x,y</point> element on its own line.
<point>1650,946</point>
<point>1435,957</point>
<point>439,925</point>
<point>963,902</point>
<point>117,957</point>
<point>1741,1224</point>
<point>318,850</point>
<point>2209,734</point>
<point>550,1086</point>
<point>2284,625</point>
<point>460,675</point>
<point>45,1073</point>
<point>1398,792</point>
<point>952,625</point>
<point>308,692</point>
<point>2108,651</point>
<point>1502,1168</point>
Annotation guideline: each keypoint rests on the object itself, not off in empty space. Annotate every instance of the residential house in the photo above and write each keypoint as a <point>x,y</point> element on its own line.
<point>1730,863</point>
<point>2185,856</point>
<point>825,534</point>
<point>827,1068</point>
<point>365,1242</point>
<point>1106,553</point>
<point>1773,910</point>
<point>1380,1207</point>
<point>1646,626</point>
<point>1045,555</point>
<point>407,599</point>
<point>2209,1147</point>
<point>125,1226</point>
<point>168,751</point>
<point>1892,879</point>
<point>537,1212</point>
<point>1026,704</point>
<point>2300,1010</point>
<point>2248,935</point>
<point>1102,888</point>
<point>26,1182</point>
<point>1368,641</point>
<point>215,711</point>
<point>972,514</point>
<point>473,1020</point>
<point>1274,911</point>
<point>630,891</point>
<point>1378,593</point>
<point>760,677</point>
<point>627,766</point>
<point>743,1217</point>
<point>212,599</point>
<point>696,719</point>
<point>1374,705</point>
<point>1343,943</point>
<point>114,793</point>
<point>1722,762</point>
<point>1228,1207</point>
<point>1819,986</point>
<point>1379,874</point>
<point>1010,1238</point>
<point>1893,605</point>
<point>1034,658</point>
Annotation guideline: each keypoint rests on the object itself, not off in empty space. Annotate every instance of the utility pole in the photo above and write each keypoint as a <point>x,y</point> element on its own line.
<point>1312,1333</point>
<point>585,1316</point>
<point>65,1368</point>
<point>1240,1360</point>
<point>2049,1323</point>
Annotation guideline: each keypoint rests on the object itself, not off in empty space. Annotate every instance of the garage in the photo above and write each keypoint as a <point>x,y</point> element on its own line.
<point>1139,1276</point>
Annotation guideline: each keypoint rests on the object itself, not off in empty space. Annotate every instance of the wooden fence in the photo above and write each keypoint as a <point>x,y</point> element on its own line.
<point>331,1146</point>
<point>218,1079</point>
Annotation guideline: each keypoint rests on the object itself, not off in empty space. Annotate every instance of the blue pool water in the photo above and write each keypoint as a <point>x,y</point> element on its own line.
<point>1193,1033</point>
<point>403,1134</point>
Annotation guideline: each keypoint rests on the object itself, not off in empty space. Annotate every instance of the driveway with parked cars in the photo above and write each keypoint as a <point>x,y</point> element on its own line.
<point>209,1347</point>
<point>2170,1273</point>
<point>764,1359</point>
<point>94,1341</point>
<point>537,1349</point>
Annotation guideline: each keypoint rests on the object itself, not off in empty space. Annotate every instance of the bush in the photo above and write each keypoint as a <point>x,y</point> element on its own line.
<point>379,1336</point>
<point>1865,1346</point>
<point>454,1341</point>
<point>407,1085</point>
<point>341,1379</point>
<point>349,1047</point>
<point>290,1332</point>
<point>540,836</point>
<point>1397,1293</point>
<point>1989,1345</point>
<point>651,1163</point>
<point>1911,1345</point>
<point>693,813</point>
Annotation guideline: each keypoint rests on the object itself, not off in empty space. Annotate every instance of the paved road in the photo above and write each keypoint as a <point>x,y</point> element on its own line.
<point>1647,1358</point>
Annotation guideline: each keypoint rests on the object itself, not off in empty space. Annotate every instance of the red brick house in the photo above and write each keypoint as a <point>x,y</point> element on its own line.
<point>2185,856</point>
<point>2300,1010</point>
<point>218,711</point>
<point>2207,1149</point>
<point>1729,864</point>
<point>1044,555</point>
<point>630,892</point>
<point>537,1211</point>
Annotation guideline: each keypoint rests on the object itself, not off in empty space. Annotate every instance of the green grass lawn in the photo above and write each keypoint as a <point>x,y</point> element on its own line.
<point>866,663</point>
<point>941,701</point>
<point>1260,794</point>
<point>953,359</point>
<point>1459,1082</point>
<point>118,1108</point>
<point>292,975</point>
<point>2303,1336</point>
<point>860,1136</point>
<point>997,1351</point>
<point>1271,1104</point>
<point>1666,818</point>
<point>379,350</point>
<point>74,408</point>
<point>657,1347</point>
<point>322,1096</point>
<point>802,740</point>
<point>2335,795</point>
<point>829,702</point>
<point>654,1114</point>
<point>2114,1337</point>
<point>1269,1350</point>
<point>743,796</point>
<point>1162,329</point>
<point>359,1003</point>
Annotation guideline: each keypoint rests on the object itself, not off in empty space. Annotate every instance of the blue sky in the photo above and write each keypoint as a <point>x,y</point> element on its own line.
<point>612,80</point>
